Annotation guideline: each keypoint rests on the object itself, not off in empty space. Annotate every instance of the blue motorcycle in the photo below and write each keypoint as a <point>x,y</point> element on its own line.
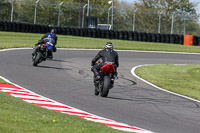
<point>43,51</point>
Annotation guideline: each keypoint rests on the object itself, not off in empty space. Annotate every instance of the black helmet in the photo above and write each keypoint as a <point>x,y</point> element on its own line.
<point>53,31</point>
<point>108,45</point>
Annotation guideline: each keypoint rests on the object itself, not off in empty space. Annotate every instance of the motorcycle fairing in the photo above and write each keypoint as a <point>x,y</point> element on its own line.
<point>49,46</point>
<point>107,69</point>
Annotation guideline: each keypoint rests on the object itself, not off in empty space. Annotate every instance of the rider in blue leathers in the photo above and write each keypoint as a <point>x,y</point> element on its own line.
<point>50,44</point>
<point>52,34</point>
<point>49,38</point>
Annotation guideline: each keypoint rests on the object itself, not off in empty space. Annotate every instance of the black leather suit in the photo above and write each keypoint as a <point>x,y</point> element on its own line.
<point>107,55</point>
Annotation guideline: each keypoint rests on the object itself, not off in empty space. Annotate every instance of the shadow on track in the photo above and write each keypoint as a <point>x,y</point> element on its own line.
<point>56,68</point>
<point>59,60</point>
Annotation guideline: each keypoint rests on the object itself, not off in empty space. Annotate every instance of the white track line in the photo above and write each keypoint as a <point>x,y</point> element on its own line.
<point>134,74</point>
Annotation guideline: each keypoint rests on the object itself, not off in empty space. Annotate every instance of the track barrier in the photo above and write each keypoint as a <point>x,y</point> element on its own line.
<point>99,33</point>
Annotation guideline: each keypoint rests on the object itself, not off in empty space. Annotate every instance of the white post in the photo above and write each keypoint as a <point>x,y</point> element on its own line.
<point>12,10</point>
<point>109,15</point>
<point>59,13</point>
<point>112,15</point>
<point>88,8</point>
<point>35,11</point>
<point>109,2</point>
<point>83,15</point>
<point>172,25</point>
<point>159,22</point>
<point>134,19</point>
<point>184,26</point>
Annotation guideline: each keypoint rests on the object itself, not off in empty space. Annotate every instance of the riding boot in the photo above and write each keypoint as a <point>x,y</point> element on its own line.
<point>115,75</point>
<point>50,55</point>
<point>54,49</point>
<point>96,74</point>
<point>96,92</point>
<point>34,51</point>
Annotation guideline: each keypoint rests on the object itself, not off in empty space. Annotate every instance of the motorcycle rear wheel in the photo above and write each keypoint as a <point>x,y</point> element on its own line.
<point>37,59</point>
<point>106,86</point>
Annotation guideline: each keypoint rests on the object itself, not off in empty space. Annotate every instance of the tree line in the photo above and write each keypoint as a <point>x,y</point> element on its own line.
<point>153,16</point>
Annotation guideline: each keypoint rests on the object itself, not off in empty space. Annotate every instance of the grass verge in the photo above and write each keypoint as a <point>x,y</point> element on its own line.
<point>16,39</point>
<point>28,118</point>
<point>3,82</point>
<point>181,79</point>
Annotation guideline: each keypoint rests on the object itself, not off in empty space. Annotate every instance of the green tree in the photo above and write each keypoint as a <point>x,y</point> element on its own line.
<point>5,10</point>
<point>192,28</point>
<point>175,11</point>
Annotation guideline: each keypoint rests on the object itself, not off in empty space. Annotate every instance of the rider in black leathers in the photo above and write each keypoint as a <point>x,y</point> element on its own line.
<point>107,55</point>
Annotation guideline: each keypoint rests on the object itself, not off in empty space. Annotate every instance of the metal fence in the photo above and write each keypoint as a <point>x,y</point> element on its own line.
<point>73,15</point>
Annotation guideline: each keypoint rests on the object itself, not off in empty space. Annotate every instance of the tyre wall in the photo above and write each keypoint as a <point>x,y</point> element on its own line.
<point>97,33</point>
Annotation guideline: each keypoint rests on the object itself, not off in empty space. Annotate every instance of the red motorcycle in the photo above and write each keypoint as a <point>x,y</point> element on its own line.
<point>106,80</point>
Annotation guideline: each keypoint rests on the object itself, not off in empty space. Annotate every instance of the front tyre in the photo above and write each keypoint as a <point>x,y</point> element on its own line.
<point>106,86</point>
<point>37,59</point>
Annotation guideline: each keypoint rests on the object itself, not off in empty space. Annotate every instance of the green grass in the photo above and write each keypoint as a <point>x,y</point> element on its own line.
<point>13,40</point>
<point>17,116</point>
<point>3,82</point>
<point>181,79</point>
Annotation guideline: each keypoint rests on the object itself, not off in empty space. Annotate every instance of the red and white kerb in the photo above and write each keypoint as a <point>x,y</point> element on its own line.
<point>36,99</point>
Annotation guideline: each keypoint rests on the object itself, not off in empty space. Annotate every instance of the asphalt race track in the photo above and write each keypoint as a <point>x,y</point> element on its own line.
<point>68,79</point>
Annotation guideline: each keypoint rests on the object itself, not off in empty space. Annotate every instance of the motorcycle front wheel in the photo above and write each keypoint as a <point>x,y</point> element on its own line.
<point>106,86</point>
<point>37,59</point>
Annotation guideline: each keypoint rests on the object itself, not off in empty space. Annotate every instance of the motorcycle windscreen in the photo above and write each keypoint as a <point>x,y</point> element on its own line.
<point>107,69</point>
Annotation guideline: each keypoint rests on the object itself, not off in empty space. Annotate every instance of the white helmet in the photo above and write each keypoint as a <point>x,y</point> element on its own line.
<point>108,45</point>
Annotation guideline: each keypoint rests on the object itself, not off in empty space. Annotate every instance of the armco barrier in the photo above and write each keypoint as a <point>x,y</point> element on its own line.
<point>96,33</point>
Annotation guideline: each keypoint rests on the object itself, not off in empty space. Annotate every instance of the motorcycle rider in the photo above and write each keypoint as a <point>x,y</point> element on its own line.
<point>52,34</point>
<point>49,37</point>
<point>107,55</point>
<point>44,41</point>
